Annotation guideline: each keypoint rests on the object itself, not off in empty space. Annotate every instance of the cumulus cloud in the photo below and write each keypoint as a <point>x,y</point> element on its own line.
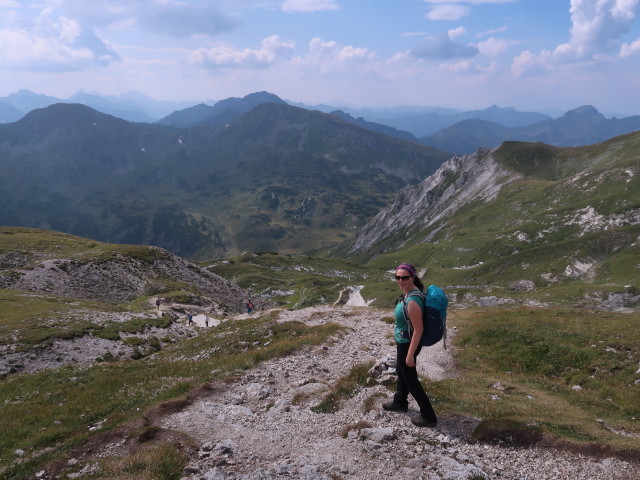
<point>448,12</point>
<point>272,49</point>
<point>457,32</point>
<point>492,47</point>
<point>628,49</point>
<point>59,45</point>
<point>444,47</point>
<point>303,6</point>
<point>596,28</point>
<point>457,67</point>
<point>326,57</point>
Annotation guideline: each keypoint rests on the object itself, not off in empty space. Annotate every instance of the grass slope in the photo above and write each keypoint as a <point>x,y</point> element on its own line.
<point>69,405</point>
<point>569,226</point>
<point>565,373</point>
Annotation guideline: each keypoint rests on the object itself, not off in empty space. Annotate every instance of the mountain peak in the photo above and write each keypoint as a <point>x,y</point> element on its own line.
<point>583,111</point>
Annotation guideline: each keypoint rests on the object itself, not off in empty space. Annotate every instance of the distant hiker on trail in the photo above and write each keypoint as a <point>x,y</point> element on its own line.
<point>408,347</point>
<point>206,320</point>
<point>189,319</point>
<point>158,303</point>
<point>249,307</point>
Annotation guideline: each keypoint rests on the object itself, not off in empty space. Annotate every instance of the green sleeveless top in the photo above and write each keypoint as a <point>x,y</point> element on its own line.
<point>401,331</point>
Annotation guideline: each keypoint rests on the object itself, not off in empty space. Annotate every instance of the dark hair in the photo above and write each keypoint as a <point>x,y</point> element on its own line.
<point>418,283</point>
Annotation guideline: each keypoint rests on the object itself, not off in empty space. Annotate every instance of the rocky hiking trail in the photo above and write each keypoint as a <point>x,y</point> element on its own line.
<point>261,425</point>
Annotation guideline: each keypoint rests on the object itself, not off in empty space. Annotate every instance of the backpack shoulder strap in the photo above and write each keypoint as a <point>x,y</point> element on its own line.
<point>405,312</point>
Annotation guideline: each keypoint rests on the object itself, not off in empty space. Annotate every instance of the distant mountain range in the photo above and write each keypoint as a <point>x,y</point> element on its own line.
<point>422,124</point>
<point>222,113</point>
<point>581,126</point>
<point>276,178</point>
<point>445,129</point>
<point>132,106</point>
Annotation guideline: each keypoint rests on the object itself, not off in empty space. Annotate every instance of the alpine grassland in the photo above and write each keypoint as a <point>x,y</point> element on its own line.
<point>294,281</point>
<point>567,374</point>
<point>67,406</point>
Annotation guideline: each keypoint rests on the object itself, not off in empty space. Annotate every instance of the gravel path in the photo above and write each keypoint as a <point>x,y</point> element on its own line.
<point>262,425</point>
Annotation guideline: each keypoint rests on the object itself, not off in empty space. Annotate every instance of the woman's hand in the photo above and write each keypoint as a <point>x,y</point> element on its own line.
<point>410,360</point>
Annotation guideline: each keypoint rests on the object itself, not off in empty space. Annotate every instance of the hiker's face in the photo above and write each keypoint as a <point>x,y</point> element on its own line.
<point>403,277</point>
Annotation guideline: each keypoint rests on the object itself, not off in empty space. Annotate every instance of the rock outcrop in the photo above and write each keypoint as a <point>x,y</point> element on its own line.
<point>458,182</point>
<point>118,278</point>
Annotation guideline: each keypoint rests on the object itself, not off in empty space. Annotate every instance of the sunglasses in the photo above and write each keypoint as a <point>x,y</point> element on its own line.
<point>403,277</point>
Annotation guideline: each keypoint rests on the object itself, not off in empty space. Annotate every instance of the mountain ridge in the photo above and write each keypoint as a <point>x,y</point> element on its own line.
<point>584,125</point>
<point>205,189</point>
<point>520,214</point>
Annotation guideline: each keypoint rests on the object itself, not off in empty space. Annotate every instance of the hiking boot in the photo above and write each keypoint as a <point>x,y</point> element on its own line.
<point>394,407</point>
<point>423,422</point>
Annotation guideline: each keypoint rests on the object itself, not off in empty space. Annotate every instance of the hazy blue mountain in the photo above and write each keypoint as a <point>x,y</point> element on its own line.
<point>132,106</point>
<point>9,113</point>
<point>155,109</point>
<point>278,178</point>
<point>376,127</point>
<point>468,135</point>
<point>580,126</point>
<point>428,122</point>
<point>118,107</point>
<point>222,113</point>
<point>25,100</point>
<point>508,117</point>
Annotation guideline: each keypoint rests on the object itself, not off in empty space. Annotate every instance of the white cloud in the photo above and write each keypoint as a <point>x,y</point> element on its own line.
<point>596,30</point>
<point>468,66</point>
<point>272,49</point>
<point>504,28</point>
<point>455,9</point>
<point>528,63</point>
<point>469,2</point>
<point>413,34</point>
<point>457,32</point>
<point>448,12</point>
<point>444,47</point>
<point>8,4</point>
<point>628,49</point>
<point>492,47</point>
<point>61,45</point>
<point>458,67</point>
<point>328,56</point>
<point>304,6</point>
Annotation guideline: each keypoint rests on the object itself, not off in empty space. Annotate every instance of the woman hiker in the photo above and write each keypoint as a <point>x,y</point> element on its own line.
<point>408,347</point>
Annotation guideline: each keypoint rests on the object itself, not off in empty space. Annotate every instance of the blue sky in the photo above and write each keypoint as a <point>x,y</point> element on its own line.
<point>538,55</point>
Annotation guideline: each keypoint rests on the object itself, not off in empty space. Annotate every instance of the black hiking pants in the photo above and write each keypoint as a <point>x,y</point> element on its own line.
<point>408,383</point>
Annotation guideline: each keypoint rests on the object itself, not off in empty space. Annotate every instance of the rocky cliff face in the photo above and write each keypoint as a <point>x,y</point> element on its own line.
<point>458,182</point>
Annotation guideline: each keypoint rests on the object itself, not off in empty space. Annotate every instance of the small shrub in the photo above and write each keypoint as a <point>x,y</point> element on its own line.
<point>355,426</point>
<point>345,387</point>
<point>137,354</point>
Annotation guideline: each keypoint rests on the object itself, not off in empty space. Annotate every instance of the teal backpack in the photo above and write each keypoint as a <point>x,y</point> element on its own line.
<point>434,316</point>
